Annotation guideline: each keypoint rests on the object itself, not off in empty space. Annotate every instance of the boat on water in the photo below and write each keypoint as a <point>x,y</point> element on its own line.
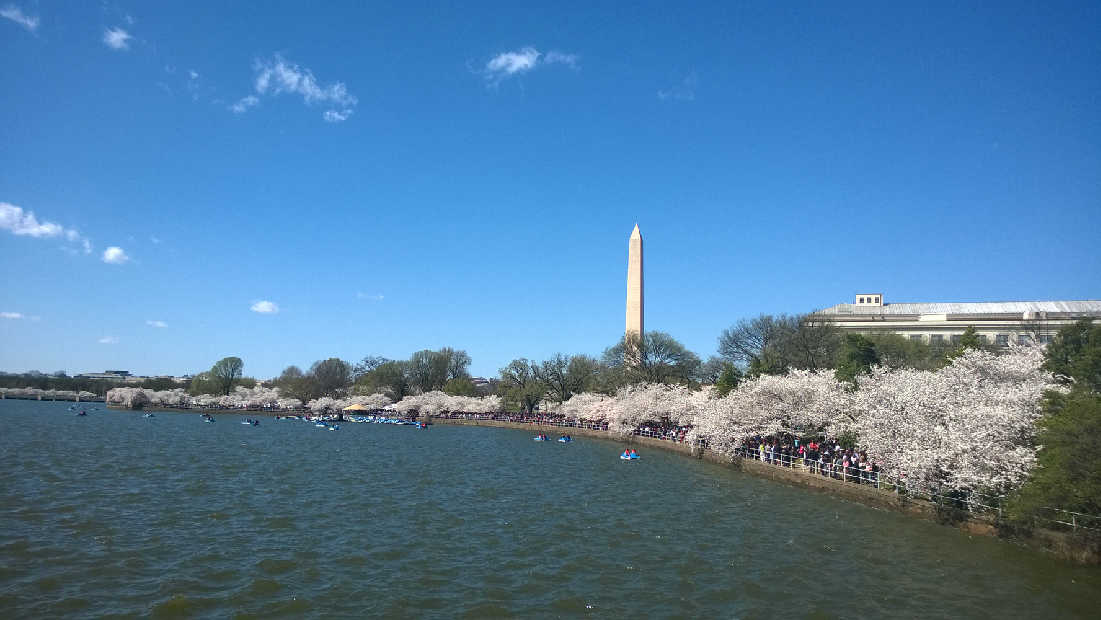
<point>148,415</point>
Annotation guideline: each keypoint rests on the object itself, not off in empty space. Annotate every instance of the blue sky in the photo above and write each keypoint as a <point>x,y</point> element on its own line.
<point>426,175</point>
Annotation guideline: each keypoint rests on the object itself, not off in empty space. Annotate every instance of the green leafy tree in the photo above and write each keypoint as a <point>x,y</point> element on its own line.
<point>293,383</point>
<point>969,340</point>
<point>1068,471</point>
<point>857,357</point>
<point>225,373</point>
<point>583,373</point>
<point>460,386</point>
<point>554,373</point>
<point>769,362</point>
<point>1074,356</point>
<point>366,365</point>
<point>332,377</point>
<point>520,386</point>
<point>728,380</point>
<point>897,351</point>
<point>391,378</point>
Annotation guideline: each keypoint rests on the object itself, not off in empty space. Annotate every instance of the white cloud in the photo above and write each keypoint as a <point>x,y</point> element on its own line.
<point>24,223</point>
<point>685,90</point>
<point>115,255</point>
<point>117,39</point>
<point>155,239</point>
<point>523,60</point>
<point>561,58</point>
<point>265,307</point>
<point>11,315</point>
<point>511,63</point>
<point>156,324</point>
<point>109,340</point>
<point>193,74</point>
<point>362,295</point>
<point>244,104</point>
<point>278,76</point>
<point>16,14</point>
<point>332,116</point>
<point>19,222</point>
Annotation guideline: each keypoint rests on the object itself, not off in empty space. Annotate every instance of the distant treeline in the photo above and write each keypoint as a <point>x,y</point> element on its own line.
<point>98,387</point>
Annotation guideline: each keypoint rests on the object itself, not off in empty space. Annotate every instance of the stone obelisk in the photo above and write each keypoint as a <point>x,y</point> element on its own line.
<point>634,283</point>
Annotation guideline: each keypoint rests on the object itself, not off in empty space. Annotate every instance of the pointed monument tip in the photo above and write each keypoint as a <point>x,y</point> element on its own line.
<point>636,232</point>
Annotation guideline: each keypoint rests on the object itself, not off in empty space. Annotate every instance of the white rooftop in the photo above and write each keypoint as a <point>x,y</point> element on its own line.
<point>1085,307</point>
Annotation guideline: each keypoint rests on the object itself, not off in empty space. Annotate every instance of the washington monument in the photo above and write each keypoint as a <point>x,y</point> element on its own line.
<point>634,284</point>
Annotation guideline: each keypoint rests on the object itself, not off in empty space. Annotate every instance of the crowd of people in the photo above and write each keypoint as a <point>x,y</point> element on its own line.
<point>825,457</point>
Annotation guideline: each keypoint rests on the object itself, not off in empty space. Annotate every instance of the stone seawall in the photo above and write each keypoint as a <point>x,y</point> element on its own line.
<point>1061,544</point>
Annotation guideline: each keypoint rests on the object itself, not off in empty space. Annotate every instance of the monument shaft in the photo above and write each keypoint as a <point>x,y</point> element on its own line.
<point>634,283</point>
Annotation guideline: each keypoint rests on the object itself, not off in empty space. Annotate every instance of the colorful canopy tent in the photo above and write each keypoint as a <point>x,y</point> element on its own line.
<point>356,407</point>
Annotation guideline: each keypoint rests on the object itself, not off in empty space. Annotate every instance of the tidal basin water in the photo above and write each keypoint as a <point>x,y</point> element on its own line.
<point>116,514</point>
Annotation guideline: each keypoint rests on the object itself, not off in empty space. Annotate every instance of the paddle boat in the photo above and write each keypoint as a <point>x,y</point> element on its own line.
<point>148,415</point>
<point>629,455</point>
<point>565,439</point>
<point>540,438</point>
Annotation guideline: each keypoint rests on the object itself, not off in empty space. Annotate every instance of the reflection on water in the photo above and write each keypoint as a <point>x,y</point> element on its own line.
<point>119,514</point>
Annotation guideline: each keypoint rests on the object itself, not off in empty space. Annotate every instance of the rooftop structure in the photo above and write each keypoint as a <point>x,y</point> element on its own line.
<point>998,322</point>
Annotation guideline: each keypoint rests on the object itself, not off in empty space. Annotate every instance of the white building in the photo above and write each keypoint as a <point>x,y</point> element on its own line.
<point>999,323</point>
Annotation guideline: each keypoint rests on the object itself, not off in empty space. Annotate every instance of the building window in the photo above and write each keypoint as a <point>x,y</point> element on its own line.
<point>956,338</point>
<point>915,337</point>
<point>1022,339</point>
<point>983,339</point>
<point>1002,340</point>
<point>877,299</point>
<point>1045,339</point>
<point>861,300</point>
<point>936,339</point>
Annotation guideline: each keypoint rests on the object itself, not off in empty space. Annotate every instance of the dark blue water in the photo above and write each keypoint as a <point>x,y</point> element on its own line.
<point>115,514</point>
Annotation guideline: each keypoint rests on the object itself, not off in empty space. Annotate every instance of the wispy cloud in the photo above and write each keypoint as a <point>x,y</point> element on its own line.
<point>523,60</point>
<point>265,307</point>
<point>117,39</point>
<point>362,295</point>
<point>332,116</point>
<point>193,74</point>
<point>277,76</point>
<point>156,324</point>
<point>554,57</point>
<point>155,239</point>
<point>24,223</point>
<point>685,90</point>
<point>11,315</point>
<point>16,14</point>
<point>244,104</point>
<point>109,340</point>
<point>115,255</point>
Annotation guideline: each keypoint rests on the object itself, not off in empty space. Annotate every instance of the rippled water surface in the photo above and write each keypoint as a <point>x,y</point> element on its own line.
<point>114,513</point>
